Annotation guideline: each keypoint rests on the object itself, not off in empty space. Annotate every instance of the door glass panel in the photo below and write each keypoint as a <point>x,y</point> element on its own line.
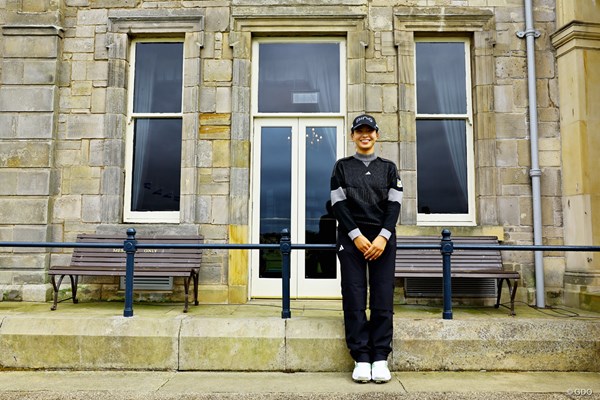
<point>442,166</point>
<point>156,164</point>
<point>441,85</point>
<point>158,78</point>
<point>320,222</point>
<point>275,194</point>
<point>299,77</point>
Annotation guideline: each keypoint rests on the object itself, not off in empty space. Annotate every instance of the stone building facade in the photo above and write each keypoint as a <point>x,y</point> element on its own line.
<point>66,115</point>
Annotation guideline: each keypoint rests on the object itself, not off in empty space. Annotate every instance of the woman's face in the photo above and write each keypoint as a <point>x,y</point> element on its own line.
<point>364,137</point>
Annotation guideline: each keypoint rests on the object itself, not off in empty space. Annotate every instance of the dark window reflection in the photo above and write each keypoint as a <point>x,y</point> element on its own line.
<point>156,165</point>
<point>275,194</point>
<point>299,77</point>
<point>320,222</point>
<point>442,167</point>
<point>158,77</point>
<point>441,79</point>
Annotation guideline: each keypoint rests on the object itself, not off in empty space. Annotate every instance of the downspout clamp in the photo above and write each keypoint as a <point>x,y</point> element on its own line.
<point>530,34</point>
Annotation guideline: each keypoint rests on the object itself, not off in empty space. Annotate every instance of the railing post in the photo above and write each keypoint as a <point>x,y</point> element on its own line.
<point>447,247</point>
<point>285,246</point>
<point>129,246</point>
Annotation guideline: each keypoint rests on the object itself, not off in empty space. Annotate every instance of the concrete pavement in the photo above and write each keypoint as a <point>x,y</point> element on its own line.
<point>159,385</point>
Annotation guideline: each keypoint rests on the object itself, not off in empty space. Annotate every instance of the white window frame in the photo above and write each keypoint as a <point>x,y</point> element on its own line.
<point>325,39</point>
<point>467,219</point>
<point>128,214</point>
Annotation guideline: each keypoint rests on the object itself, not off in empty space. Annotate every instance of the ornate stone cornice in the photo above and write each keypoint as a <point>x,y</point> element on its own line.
<point>576,35</point>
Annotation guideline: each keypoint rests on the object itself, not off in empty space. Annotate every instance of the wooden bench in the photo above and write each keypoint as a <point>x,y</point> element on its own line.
<point>96,261</point>
<point>427,263</point>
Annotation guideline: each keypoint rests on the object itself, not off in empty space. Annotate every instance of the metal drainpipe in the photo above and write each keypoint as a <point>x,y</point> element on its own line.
<point>530,35</point>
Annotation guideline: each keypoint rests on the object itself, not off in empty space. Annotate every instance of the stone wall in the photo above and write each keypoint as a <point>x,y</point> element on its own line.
<point>62,155</point>
<point>30,51</point>
<point>578,57</point>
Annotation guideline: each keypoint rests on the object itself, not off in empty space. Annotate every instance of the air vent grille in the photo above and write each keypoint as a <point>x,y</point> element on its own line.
<point>461,287</point>
<point>161,283</point>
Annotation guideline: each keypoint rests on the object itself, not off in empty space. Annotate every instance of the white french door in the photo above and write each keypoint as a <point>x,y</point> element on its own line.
<point>292,163</point>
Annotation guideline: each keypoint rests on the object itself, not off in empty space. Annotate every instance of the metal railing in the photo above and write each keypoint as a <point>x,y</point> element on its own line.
<point>285,246</point>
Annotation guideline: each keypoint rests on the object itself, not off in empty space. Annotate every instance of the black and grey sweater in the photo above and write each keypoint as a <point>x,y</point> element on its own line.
<point>366,195</point>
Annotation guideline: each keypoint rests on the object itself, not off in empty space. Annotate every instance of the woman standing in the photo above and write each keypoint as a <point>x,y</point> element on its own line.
<point>366,195</point>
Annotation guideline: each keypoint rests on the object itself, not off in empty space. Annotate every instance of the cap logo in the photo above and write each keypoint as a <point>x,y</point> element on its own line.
<point>364,120</point>
<point>360,119</point>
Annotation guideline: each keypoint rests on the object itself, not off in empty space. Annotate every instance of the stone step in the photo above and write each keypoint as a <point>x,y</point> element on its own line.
<point>590,300</point>
<point>78,337</point>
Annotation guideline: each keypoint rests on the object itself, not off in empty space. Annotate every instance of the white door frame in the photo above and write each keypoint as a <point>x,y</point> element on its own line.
<point>300,287</point>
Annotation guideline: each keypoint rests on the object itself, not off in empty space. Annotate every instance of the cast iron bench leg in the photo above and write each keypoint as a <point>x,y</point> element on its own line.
<point>512,297</point>
<point>74,282</point>
<point>195,273</point>
<point>55,286</point>
<point>512,290</point>
<point>186,287</point>
<point>500,280</point>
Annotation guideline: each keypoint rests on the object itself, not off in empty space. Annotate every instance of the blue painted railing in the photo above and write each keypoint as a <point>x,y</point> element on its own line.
<point>285,246</point>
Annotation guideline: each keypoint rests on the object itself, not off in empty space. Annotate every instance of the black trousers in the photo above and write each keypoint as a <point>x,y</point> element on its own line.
<point>369,340</point>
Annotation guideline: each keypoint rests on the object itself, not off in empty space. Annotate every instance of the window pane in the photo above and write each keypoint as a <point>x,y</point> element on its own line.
<point>275,194</point>
<point>441,82</point>
<point>320,222</point>
<point>158,77</point>
<point>299,77</point>
<point>442,167</point>
<point>156,165</point>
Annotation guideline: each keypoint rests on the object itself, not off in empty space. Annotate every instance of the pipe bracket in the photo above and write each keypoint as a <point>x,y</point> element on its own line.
<point>529,32</point>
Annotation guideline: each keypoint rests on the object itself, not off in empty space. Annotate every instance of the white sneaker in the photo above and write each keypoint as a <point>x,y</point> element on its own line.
<point>380,372</point>
<point>362,372</point>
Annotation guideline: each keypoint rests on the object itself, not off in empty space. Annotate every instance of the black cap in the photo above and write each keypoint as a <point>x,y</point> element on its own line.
<point>364,119</point>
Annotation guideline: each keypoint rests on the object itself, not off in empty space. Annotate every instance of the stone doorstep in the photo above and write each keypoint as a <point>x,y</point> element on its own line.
<point>197,343</point>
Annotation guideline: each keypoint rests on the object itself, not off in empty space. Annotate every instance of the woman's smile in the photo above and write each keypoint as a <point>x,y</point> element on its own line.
<point>365,137</point>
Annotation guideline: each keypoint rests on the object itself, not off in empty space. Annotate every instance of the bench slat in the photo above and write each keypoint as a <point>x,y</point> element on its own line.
<point>97,263</point>
<point>139,251</point>
<point>165,259</point>
<point>431,258</point>
<point>120,272</point>
<point>461,274</point>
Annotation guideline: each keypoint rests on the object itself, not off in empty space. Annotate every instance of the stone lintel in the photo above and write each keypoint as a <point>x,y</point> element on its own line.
<point>155,21</point>
<point>286,20</point>
<point>434,19</point>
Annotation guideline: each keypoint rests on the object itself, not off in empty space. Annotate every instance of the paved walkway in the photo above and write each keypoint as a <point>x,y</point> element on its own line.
<point>272,308</point>
<point>150,385</point>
